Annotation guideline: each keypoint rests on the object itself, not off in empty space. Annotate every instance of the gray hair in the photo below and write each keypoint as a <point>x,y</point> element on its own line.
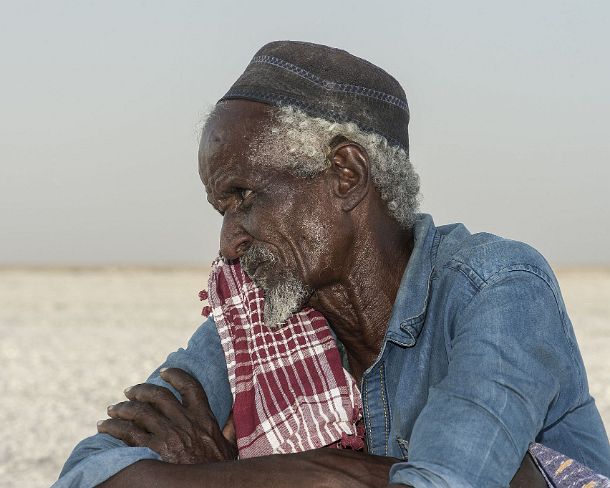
<point>306,139</point>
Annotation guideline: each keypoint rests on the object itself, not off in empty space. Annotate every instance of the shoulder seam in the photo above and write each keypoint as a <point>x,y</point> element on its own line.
<point>473,277</point>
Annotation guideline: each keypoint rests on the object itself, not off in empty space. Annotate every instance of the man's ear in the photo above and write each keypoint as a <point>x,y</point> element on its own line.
<point>350,172</point>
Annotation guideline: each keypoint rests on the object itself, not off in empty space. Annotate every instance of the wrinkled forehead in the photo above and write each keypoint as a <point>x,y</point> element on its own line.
<point>233,127</point>
<point>231,139</point>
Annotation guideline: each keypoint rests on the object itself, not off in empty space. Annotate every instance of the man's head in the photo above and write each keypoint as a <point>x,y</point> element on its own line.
<point>297,190</point>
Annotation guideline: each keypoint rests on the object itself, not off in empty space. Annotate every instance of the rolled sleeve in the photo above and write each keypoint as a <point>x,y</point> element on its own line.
<point>426,475</point>
<point>99,457</point>
<point>506,347</point>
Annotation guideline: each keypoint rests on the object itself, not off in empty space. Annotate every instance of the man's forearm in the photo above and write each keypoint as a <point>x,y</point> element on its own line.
<point>311,469</point>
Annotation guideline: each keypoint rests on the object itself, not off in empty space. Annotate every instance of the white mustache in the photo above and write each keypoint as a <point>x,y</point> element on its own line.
<point>254,256</point>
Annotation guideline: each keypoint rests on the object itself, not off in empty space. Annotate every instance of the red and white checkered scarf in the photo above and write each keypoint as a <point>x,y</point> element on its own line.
<point>291,392</point>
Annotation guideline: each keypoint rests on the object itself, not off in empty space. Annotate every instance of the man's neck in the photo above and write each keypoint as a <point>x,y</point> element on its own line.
<point>359,306</point>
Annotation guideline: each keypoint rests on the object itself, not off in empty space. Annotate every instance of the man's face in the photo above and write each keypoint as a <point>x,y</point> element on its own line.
<point>286,230</point>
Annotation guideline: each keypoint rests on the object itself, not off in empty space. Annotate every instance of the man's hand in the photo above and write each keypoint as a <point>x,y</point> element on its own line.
<point>181,433</point>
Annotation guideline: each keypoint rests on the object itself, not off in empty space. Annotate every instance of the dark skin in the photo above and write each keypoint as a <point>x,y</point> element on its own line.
<point>334,233</point>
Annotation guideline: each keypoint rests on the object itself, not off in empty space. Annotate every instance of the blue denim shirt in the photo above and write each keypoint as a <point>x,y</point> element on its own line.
<point>479,360</point>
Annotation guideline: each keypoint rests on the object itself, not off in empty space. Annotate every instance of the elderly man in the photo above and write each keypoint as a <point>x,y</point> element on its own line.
<point>340,317</point>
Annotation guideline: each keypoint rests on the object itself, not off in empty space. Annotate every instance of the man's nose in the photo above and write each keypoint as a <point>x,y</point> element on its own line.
<point>234,240</point>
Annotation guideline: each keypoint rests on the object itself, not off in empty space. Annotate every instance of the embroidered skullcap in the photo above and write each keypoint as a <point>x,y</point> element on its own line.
<point>329,83</point>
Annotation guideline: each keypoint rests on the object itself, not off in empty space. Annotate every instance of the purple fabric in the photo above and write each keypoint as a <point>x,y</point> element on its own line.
<point>562,472</point>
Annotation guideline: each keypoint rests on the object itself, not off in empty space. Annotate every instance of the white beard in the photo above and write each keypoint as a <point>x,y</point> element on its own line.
<point>283,300</point>
<point>284,295</point>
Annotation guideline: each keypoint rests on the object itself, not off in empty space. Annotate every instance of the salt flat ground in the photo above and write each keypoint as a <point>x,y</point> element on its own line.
<point>72,339</point>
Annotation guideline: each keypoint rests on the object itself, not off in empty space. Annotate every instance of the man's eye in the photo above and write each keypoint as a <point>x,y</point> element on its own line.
<point>244,193</point>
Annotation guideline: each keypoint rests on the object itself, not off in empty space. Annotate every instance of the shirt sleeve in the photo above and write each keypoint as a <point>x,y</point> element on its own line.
<point>506,348</point>
<point>97,458</point>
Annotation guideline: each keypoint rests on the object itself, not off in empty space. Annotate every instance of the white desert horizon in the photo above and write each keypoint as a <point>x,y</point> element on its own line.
<point>72,338</point>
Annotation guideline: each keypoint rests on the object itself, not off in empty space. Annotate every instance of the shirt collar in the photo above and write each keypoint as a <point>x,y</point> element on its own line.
<point>412,298</point>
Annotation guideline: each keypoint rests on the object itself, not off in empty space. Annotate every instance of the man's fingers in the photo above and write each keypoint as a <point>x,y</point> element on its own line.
<point>160,398</point>
<point>142,414</point>
<point>125,430</point>
<point>190,389</point>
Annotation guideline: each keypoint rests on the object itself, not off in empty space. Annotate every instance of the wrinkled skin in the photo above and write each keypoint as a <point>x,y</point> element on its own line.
<point>334,234</point>
<point>181,433</point>
<point>332,231</point>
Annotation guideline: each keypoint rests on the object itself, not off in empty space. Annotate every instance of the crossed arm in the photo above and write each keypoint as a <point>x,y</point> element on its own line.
<point>195,452</point>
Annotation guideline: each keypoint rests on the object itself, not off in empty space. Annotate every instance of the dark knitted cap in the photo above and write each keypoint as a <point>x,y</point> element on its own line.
<point>329,83</point>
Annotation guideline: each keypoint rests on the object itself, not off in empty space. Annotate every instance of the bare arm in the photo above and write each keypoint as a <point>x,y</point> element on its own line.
<point>312,469</point>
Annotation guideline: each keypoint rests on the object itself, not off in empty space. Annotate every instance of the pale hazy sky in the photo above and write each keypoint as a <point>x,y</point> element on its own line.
<point>99,103</point>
